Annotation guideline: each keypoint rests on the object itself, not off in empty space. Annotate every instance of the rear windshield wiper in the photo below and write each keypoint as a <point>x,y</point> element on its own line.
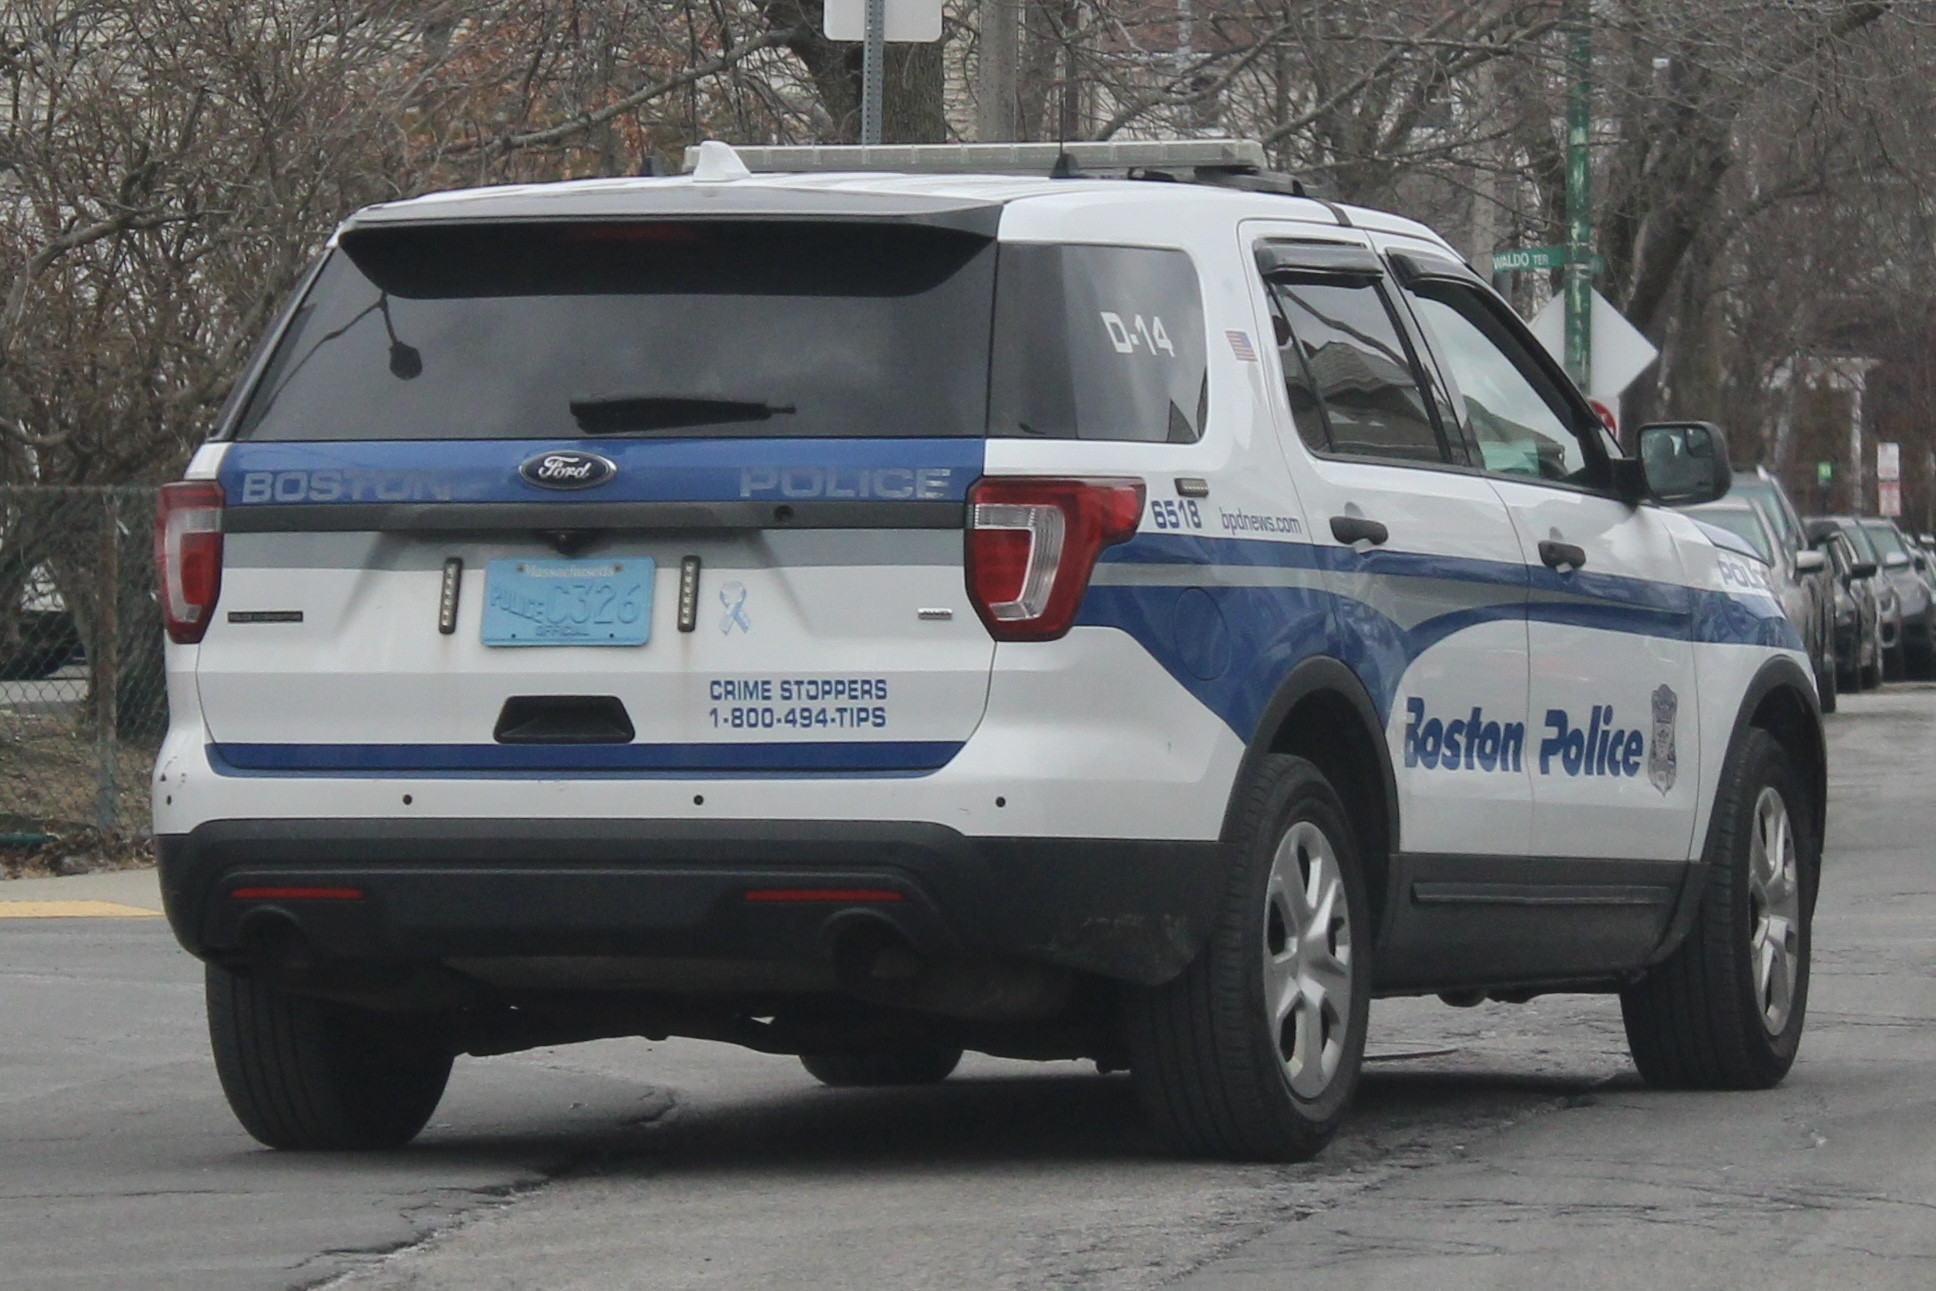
<point>633,414</point>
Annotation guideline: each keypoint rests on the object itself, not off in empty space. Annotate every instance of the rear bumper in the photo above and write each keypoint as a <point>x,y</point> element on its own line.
<point>432,890</point>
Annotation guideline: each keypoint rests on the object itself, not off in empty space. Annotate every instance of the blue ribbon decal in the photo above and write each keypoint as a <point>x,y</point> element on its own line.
<point>733,597</point>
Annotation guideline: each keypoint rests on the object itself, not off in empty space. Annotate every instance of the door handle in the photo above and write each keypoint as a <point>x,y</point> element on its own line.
<point>1561,555</point>
<point>1350,529</point>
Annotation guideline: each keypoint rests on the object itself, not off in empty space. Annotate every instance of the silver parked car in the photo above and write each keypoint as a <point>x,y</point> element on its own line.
<point>1798,576</point>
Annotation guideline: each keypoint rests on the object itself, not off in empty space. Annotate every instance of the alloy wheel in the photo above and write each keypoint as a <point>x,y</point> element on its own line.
<point>1307,959</point>
<point>1775,898</point>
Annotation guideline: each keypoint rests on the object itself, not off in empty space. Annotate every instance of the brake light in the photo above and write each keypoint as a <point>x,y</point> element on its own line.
<point>1032,544</point>
<point>188,556</point>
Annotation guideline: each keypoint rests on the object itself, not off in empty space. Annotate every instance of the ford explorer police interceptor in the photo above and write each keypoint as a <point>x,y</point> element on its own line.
<point>869,616</point>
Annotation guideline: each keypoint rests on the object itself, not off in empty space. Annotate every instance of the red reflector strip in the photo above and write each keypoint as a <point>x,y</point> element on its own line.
<point>788,896</point>
<point>296,894</point>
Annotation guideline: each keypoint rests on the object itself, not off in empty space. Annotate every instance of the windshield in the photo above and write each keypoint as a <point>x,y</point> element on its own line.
<point>656,328</point>
<point>1742,524</point>
<point>1886,539</point>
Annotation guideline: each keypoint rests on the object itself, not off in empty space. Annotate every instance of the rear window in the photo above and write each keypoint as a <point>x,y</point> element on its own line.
<point>660,328</point>
<point>1098,342</point>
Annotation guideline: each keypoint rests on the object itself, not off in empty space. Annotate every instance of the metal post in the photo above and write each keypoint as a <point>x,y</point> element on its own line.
<point>1579,193</point>
<point>104,669</point>
<point>873,59</point>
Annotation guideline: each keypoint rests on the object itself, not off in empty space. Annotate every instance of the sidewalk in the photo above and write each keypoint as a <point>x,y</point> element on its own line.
<point>123,894</point>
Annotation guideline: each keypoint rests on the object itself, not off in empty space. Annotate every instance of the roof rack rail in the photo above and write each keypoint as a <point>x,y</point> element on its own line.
<point>1235,163</point>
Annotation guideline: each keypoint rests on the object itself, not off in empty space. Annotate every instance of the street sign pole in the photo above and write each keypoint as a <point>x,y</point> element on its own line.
<point>1579,194</point>
<point>872,71</point>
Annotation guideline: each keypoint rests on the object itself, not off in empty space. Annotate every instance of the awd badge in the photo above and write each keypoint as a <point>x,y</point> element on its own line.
<point>567,468</point>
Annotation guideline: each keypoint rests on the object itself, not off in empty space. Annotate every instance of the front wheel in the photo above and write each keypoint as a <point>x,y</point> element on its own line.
<point>1254,1051</point>
<point>302,1073</point>
<point>1725,1010</point>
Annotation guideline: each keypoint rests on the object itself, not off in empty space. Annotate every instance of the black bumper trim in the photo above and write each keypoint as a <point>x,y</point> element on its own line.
<point>434,889</point>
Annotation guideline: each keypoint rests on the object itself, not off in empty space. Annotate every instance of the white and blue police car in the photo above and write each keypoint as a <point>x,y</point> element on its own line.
<point>1013,603</point>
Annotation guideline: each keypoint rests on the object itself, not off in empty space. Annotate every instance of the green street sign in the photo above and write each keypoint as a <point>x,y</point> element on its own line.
<point>1522,259</point>
<point>1824,472</point>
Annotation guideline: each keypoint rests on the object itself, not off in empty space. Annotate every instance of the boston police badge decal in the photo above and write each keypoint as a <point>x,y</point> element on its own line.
<point>1662,762</point>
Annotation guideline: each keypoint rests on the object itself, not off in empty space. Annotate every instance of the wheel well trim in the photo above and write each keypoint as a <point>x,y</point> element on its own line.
<point>1318,677</point>
<point>1778,677</point>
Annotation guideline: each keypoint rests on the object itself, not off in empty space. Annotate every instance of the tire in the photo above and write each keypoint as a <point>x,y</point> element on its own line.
<point>921,1064</point>
<point>1825,683</point>
<point>306,1075</point>
<point>1240,1057</point>
<point>1725,1010</point>
<point>1895,664</point>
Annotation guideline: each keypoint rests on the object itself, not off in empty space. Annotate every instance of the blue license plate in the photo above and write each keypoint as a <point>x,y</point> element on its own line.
<point>568,602</point>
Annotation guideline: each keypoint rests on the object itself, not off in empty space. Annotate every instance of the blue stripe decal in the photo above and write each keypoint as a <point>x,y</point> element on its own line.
<point>257,473</point>
<point>391,759</point>
<point>1232,646</point>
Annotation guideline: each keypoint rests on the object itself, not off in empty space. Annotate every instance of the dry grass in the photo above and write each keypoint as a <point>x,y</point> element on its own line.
<point>50,784</point>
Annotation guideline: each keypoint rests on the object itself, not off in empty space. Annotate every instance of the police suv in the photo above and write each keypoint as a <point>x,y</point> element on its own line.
<point>1090,602</point>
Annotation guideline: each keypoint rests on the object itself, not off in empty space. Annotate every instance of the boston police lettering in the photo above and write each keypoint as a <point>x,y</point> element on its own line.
<point>1469,743</point>
<point>1599,749</point>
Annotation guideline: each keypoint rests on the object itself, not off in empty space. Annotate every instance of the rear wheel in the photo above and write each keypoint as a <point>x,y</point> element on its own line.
<point>1725,1010</point>
<point>301,1073</point>
<point>1254,1052</point>
<point>918,1064</point>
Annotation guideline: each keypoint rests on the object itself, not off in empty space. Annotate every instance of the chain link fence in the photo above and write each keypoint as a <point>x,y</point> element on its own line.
<point>83,698</point>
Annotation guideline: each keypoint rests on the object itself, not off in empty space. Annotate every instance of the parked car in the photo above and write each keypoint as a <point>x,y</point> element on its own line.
<point>1799,578</point>
<point>1888,603</point>
<point>1904,568</point>
<point>1858,645</point>
<point>39,638</point>
<point>1762,485</point>
<point>873,617</point>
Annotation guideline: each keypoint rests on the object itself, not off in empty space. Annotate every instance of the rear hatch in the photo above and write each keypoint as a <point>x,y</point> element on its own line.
<point>601,495</point>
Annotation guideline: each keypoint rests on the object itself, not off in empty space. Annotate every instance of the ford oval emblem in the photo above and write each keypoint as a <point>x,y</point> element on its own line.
<point>567,468</point>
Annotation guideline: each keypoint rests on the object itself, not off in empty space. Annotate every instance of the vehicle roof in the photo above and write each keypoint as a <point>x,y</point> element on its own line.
<point>939,198</point>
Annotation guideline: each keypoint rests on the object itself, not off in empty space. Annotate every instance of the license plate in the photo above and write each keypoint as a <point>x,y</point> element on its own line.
<point>568,602</point>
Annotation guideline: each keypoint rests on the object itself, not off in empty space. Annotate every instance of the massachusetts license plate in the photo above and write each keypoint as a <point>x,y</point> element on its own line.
<point>568,602</point>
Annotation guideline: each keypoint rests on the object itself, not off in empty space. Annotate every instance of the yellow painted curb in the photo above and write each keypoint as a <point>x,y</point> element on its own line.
<point>73,910</point>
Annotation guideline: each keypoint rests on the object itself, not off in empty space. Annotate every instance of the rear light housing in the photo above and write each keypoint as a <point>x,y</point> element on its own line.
<point>1032,544</point>
<point>188,557</point>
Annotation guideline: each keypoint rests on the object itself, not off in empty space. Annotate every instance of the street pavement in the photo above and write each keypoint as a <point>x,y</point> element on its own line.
<point>1501,1146</point>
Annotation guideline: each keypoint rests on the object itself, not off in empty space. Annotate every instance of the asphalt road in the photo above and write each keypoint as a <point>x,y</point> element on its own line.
<point>1503,1146</point>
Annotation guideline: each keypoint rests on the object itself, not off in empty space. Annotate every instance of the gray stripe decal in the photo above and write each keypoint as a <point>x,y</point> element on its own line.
<point>766,550</point>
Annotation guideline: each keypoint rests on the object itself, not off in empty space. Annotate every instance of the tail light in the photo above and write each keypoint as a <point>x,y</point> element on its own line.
<point>188,557</point>
<point>1033,543</point>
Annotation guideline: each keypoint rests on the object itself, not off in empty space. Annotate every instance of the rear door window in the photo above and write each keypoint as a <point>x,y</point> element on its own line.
<point>667,328</point>
<point>1098,342</point>
<point>1351,378</point>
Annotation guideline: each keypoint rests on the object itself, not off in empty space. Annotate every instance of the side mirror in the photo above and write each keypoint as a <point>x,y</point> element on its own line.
<point>1921,562</point>
<point>1683,463</point>
<point>1862,569</point>
<point>1810,562</point>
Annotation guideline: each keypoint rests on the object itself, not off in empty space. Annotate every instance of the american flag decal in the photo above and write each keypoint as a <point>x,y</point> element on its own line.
<point>1240,346</point>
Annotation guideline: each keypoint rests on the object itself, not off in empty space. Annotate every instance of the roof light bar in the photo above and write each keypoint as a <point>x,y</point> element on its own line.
<point>999,158</point>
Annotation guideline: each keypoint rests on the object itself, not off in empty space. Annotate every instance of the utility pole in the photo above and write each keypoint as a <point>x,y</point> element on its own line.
<point>1579,192</point>
<point>873,68</point>
<point>995,108</point>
